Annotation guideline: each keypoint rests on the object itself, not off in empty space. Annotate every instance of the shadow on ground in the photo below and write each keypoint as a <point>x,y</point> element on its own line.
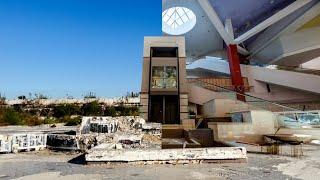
<point>78,160</point>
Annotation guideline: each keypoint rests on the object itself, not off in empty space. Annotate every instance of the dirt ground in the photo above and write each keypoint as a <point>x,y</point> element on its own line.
<point>63,165</point>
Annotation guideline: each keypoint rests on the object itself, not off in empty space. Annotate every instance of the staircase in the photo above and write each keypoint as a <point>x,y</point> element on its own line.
<point>288,119</point>
<point>254,103</point>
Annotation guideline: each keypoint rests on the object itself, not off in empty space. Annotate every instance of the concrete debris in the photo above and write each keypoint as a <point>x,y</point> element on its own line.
<point>62,141</point>
<point>108,146</point>
<point>152,128</point>
<point>129,139</point>
<point>128,132</point>
<point>26,138</point>
<point>44,128</point>
<point>316,142</point>
<point>86,142</point>
<point>167,155</point>
<point>22,142</point>
<point>125,132</point>
<point>151,138</point>
<point>5,143</point>
<point>99,125</point>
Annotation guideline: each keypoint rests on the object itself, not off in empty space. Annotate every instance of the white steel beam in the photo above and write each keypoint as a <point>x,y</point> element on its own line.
<point>265,39</point>
<point>306,17</point>
<point>242,50</point>
<point>215,20</point>
<point>229,28</point>
<point>271,20</point>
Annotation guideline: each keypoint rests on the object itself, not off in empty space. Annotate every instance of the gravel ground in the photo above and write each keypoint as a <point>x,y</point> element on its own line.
<point>58,165</point>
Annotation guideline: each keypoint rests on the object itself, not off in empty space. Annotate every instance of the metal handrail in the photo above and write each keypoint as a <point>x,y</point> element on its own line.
<point>295,121</point>
<point>247,95</point>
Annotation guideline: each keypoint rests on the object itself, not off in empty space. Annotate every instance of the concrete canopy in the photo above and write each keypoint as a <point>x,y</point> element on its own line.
<point>255,26</point>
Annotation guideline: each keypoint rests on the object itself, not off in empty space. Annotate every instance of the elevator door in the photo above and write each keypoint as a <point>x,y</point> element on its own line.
<point>164,109</point>
<point>171,110</point>
<point>156,111</point>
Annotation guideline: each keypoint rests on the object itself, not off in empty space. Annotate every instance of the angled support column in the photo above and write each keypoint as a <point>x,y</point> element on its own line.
<point>235,71</point>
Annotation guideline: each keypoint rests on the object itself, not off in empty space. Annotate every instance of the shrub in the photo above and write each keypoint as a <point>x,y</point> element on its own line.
<point>92,109</point>
<point>9,116</point>
<point>62,110</point>
<point>33,112</point>
<point>72,121</point>
<point>12,117</point>
<point>127,111</point>
<point>30,120</point>
<point>110,111</point>
<point>50,120</point>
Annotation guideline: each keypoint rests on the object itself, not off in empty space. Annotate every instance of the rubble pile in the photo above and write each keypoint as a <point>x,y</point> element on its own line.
<point>125,132</point>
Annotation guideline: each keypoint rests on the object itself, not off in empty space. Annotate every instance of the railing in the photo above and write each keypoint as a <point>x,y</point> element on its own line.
<point>221,82</point>
<point>285,116</point>
<point>253,103</point>
<point>299,119</point>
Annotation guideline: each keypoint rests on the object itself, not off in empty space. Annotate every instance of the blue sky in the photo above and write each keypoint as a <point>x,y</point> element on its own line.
<point>59,47</point>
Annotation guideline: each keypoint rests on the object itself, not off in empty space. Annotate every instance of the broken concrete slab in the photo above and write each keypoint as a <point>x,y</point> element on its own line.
<point>99,125</point>
<point>62,142</point>
<point>5,143</point>
<point>26,138</point>
<point>167,155</point>
<point>45,128</point>
<point>15,142</point>
<point>151,126</point>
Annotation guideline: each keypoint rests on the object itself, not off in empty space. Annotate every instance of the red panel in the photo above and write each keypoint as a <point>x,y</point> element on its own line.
<point>235,71</point>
